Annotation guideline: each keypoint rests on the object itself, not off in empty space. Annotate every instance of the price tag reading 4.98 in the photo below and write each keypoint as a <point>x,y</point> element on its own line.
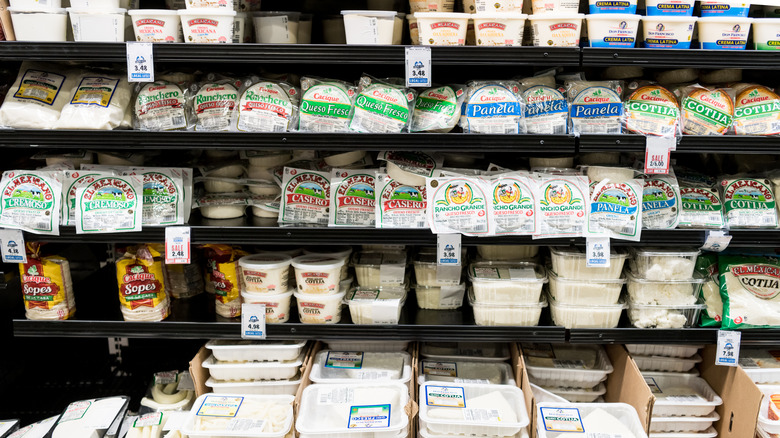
<point>253,321</point>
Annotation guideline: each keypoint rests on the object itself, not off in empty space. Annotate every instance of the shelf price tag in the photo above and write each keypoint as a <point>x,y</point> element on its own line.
<point>597,252</point>
<point>448,258</point>
<point>728,348</point>
<point>253,321</point>
<point>177,246</point>
<point>140,62</point>
<point>418,66</point>
<point>716,240</point>
<point>12,246</point>
<point>657,154</point>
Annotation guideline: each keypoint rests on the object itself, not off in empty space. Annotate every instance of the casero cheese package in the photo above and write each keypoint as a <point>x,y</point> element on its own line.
<point>701,208</point>
<point>411,167</point>
<point>748,202</point>
<point>214,103</point>
<point>109,204</point>
<point>305,196</point>
<point>757,112</point>
<point>71,181</point>
<point>563,205</point>
<point>546,110</point>
<point>399,205</point>
<point>595,109</point>
<point>438,109</point>
<point>352,198</point>
<point>163,194</point>
<point>706,111</point>
<point>161,106</point>
<point>30,201</point>
<point>47,287</point>
<point>326,106</point>
<point>266,106</point>
<point>652,110</point>
<point>494,108</point>
<point>382,106</point>
<point>459,204</point>
<point>615,209</point>
<point>660,202</point>
<point>224,278</point>
<point>512,207</point>
<point>140,277</point>
<point>750,290</point>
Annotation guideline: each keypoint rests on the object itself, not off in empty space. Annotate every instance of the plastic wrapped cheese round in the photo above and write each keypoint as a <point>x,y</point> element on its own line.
<point>326,105</point>
<point>266,106</point>
<point>652,110</point>
<point>214,104</point>
<point>344,158</point>
<point>614,174</point>
<point>382,107</point>
<point>222,205</point>
<point>757,111</point>
<point>265,272</point>
<point>438,109</point>
<point>111,159</point>
<point>707,111</point>
<point>318,275</point>
<point>266,159</point>
<point>160,106</point>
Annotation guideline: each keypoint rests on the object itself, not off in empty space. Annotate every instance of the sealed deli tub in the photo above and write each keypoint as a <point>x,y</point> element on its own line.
<point>761,364</point>
<point>253,370</point>
<point>379,269</point>
<point>256,387</point>
<point>260,351</point>
<point>227,415</point>
<point>595,291</point>
<point>572,263</point>
<point>479,351</point>
<point>664,264</point>
<point>376,305</point>
<point>465,371</point>
<point>507,282</point>
<point>666,292</point>
<point>507,314</point>
<point>350,366</point>
<point>586,316</point>
<point>681,395</point>
<point>577,366</point>
<point>565,420</point>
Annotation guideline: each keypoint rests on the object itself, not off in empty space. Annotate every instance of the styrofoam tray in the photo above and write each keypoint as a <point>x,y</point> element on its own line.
<point>496,373</point>
<point>709,433</point>
<point>751,359</point>
<point>771,426</point>
<point>624,413</point>
<point>667,350</point>
<point>374,346</point>
<point>253,370</point>
<point>189,424</point>
<point>261,351</point>
<point>543,395</point>
<point>576,378</point>
<point>668,364</point>
<point>479,351</point>
<point>682,406</point>
<point>683,424</point>
<point>262,387</point>
<point>359,365</point>
<point>452,397</point>
<point>579,395</point>
<point>425,433</point>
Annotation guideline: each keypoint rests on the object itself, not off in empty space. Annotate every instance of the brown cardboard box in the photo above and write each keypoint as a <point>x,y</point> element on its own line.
<point>521,378</point>
<point>198,373</point>
<point>6,27</point>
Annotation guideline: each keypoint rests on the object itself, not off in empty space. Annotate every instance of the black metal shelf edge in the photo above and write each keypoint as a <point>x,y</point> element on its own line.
<point>691,58</point>
<point>645,336</point>
<point>291,54</point>
<point>689,144</point>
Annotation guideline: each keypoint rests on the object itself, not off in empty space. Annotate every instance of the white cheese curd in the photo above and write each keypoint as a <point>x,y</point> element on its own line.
<point>277,306</point>
<point>664,264</point>
<point>251,415</point>
<point>664,316</point>
<point>665,292</point>
<point>265,273</point>
<point>35,100</point>
<point>381,305</point>
<point>571,263</point>
<point>586,316</point>
<point>348,366</point>
<point>440,297</point>
<point>507,252</point>
<point>507,282</point>
<point>506,314</point>
<point>377,269</point>
<point>316,274</point>
<point>568,291</point>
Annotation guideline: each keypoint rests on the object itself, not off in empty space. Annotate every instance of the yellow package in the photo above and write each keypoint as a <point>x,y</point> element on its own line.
<point>47,287</point>
<point>142,293</point>
<point>222,261</point>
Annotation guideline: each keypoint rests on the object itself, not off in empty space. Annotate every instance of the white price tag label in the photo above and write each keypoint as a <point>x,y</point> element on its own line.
<point>728,348</point>
<point>177,246</point>
<point>12,246</point>
<point>716,240</point>
<point>448,249</point>
<point>657,154</point>
<point>253,321</point>
<point>140,62</point>
<point>418,66</point>
<point>597,255</point>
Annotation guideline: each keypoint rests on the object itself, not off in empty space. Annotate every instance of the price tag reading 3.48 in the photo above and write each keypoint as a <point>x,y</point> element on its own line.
<point>140,62</point>
<point>418,66</point>
<point>253,321</point>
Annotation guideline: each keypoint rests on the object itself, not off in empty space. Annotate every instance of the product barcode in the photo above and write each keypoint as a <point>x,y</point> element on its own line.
<point>481,415</point>
<point>177,121</point>
<point>510,129</point>
<point>627,230</point>
<point>420,224</point>
<point>559,129</point>
<point>212,124</point>
<point>161,123</point>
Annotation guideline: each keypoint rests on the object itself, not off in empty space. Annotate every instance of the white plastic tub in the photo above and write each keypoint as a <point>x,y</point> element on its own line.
<point>39,25</point>
<point>664,264</point>
<point>770,426</point>
<point>709,433</point>
<point>611,7</point>
<point>571,263</point>
<point>592,418</point>
<point>102,25</point>
<point>612,30</point>
<point>667,364</point>
<point>479,351</point>
<point>507,282</point>
<point>277,306</point>
<point>568,291</point>
<point>586,316</point>
<point>684,424</point>
<point>664,292</point>
<point>95,4</point>
<point>724,33</point>
<point>440,297</point>
<point>315,274</point>
<point>240,23</point>
<point>499,29</point>
<point>669,7</point>
<point>579,395</point>
<point>156,25</point>
<point>259,351</point>
<point>215,407</point>
<point>442,28</point>
<point>463,371</point>
<point>681,395</point>
<point>577,366</point>
<point>369,27</point>
<point>380,269</point>
<point>507,252</point>
<point>262,387</point>
<point>376,306</point>
<point>455,410</point>
<point>555,7</point>
<point>664,350</point>
<point>265,273</point>
<point>493,6</point>
<point>727,8</point>
<point>556,29</point>
<point>205,25</point>
<point>766,33</point>
<point>373,346</point>
<point>506,314</point>
<point>331,366</point>
<point>276,27</point>
<point>668,31</point>
<point>253,370</point>
<point>431,6</point>
<point>37,4</point>
<point>319,308</point>
<point>761,364</point>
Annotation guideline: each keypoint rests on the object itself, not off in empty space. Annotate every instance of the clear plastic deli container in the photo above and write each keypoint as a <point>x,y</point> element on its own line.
<point>761,364</point>
<point>667,364</point>
<point>681,395</point>
<point>597,291</point>
<point>571,263</point>
<point>379,269</point>
<point>564,420</point>
<point>664,264</point>
<point>542,395</point>
<point>260,387</point>
<point>663,350</point>
<point>472,409</point>
<point>586,316</point>
<point>684,424</point>
<point>479,351</point>
<point>771,396</point>
<point>350,366</point>
<point>464,371</point>
<point>440,297</point>
<point>507,252</point>
<point>428,273</point>
<point>664,316</point>
<point>260,351</point>
<point>506,314</point>
<point>507,282</point>
<point>253,370</point>
<point>227,415</point>
<point>578,395</point>
<point>664,292</point>
<point>381,305</point>
<point>578,366</point>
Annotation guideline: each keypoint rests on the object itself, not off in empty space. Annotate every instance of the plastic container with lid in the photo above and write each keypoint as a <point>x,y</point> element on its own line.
<point>761,364</point>
<point>612,30</point>
<point>440,297</point>
<point>564,420</point>
<point>258,351</point>
<point>551,7</point>
<point>586,316</point>
<point>680,8</point>
<point>261,387</point>
<point>766,33</point>
<point>442,28</point>
<point>664,264</point>
<point>277,306</point>
<point>346,410</point>
<point>542,395</point>
<point>664,316</point>
<point>211,4</point>
<point>681,395</point>
<point>228,415</point>
<point>38,4</point>
<point>319,308</point>
<point>380,269</point>
<point>571,263</point>
<point>431,5</point>
<point>100,25</point>
<point>39,25</point>
<point>316,274</point>
<point>568,291</point>
<point>507,282</point>
<point>428,273</point>
<point>369,27</point>
<point>683,424</point>
<point>472,409</point>
<point>156,25</point>
<point>724,33</point>
<point>578,395</point>
<point>724,8</point>
<point>465,371</point>
<point>506,314</point>
<point>202,25</point>
<point>380,305</point>
<point>668,31</point>
<point>558,29</point>
<point>253,370</point>
<point>372,346</point>
<point>663,350</point>
<point>336,252</point>
<point>666,364</point>
<point>664,292</point>
<point>576,366</point>
<point>265,272</point>
<point>771,392</point>
<point>499,29</point>
<point>350,366</point>
<point>507,252</point>
<point>479,351</point>
<point>610,7</point>
<point>276,27</point>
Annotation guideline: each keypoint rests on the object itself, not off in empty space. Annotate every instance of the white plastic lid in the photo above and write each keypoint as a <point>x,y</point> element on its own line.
<point>92,11</point>
<point>669,18</point>
<point>38,11</point>
<point>205,12</point>
<point>730,19</point>
<point>363,294</point>
<point>617,17</point>
<point>266,260</point>
<point>443,15</point>
<point>499,16</point>
<point>384,14</point>
<point>169,12</point>
<point>333,251</point>
<point>507,271</point>
<point>319,297</point>
<point>557,16</point>
<point>314,261</point>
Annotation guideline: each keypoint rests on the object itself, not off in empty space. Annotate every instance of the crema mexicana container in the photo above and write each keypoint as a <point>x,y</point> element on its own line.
<point>442,28</point>
<point>499,29</point>
<point>668,32</point>
<point>556,29</point>
<point>612,30</point>
<point>204,25</point>
<point>724,33</point>
<point>369,27</point>
<point>156,25</point>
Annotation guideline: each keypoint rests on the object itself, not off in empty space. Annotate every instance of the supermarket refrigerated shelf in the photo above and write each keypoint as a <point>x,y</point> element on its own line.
<point>689,144</point>
<point>680,58</point>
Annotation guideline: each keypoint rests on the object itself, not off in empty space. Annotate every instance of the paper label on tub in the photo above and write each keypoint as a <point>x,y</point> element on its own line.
<point>247,425</point>
<point>445,396</point>
<point>165,377</point>
<point>446,369</point>
<point>140,62</point>
<point>522,274</point>
<point>418,66</point>
<point>481,415</point>
<point>562,420</point>
<point>220,406</point>
<point>654,388</point>
<point>344,359</point>
<point>370,416</point>
<point>338,396</point>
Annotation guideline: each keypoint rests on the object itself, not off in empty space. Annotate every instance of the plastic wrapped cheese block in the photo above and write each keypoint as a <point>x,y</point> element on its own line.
<point>379,269</point>
<point>376,305</point>
<point>494,108</point>
<point>748,202</point>
<point>31,201</point>
<point>268,416</point>
<point>565,420</point>
<point>750,290</point>
<point>36,98</point>
<point>660,202</point>
<point>305,196</point>
<point>464,371</point>
<point>652,110</point>
<point>507,282</point>
<point>350,366</point>
<point>90,418</point>
<point>47,286</point>
<point>566,365</point>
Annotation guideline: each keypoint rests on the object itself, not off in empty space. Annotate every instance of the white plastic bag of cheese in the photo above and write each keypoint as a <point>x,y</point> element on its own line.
<point>513,210</point>
<point>305,196</point>
<point>411,167</point>
<point>100,101</point>
<point>214,101</point>
<point>563,205</point>
<point>383,106</point>
<point>494,107</point>
<point>438,109</point>
<point>661,202</point>
<point>327,105</point>
<point>31,201</point>
<point>36,430</point>
<point>352,198</point>
<point>459,204</point>
<point>162,106</point>
<point>266,106</point>
<point>71,181</point>
<point>90,418</point>
<point>616,209</point>
<point>36,98</point>
<point>748,201</point>
<point>109,204</point>
<point>163,194</point>
<point>399,205</point>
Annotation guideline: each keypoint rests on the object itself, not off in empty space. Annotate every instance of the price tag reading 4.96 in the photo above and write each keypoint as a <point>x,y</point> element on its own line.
<point>12,242</point>
<point>253,321</point>
<point>177,246</point>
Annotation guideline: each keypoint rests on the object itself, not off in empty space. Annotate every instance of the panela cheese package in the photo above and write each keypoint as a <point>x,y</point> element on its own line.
<point>30,201</point>
<point>399,205</point>
<point>352,198</point>
<point>660,202</point>
<point>546,110</point>
<point>595,110</point>
<point>750,290</point>
<point>494,108</point>
<point>615,209</point>
<point>459,204</point>
<point>305,197</point>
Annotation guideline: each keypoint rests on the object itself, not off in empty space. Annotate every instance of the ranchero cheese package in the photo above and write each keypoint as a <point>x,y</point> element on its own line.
<point>595,109</point>
<point>512,207</point>
<point>36,98</point>
<point>163,194</point>
<point>748,202</point>
<point>706,111</point>
<point>546,110</point>
<point>305,196</point>
<point>615,209</point>
<point>266,106</point>
<point>224,278</point>
<point>660,202</point>
<point>438,109</point>
<point>411,167</point>
<point>47,287</point>
<point>757,112</point>
<point>494,108</point>
<point>652,110</point>
<point>139,273</point>
<point>750,290</point>
<point>701,208</point>
<point>161,106</point>
<point>382,106</point>
<point>214,103</point>
<point>459,204</point>
<point>563,203</point>
<point>30,201</point>
<point>352,198</point>
<point>100,101</point>
<point>326,105</point>
<point>109,204</point>
<point>707,266</point>
<point>399,205</point>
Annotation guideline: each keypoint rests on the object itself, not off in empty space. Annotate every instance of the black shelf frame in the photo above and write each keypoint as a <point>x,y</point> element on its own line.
<point>680,58</point>
<point>689,144</point>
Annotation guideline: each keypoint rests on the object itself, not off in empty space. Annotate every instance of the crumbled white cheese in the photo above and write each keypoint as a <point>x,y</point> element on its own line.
<point>647,317</point>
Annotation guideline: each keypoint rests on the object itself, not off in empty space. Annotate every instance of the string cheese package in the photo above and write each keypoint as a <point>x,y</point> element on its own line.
<point>140,276</point>
<point>224,274</point>
<point>30,201</point>
<point>249,415</point>
<point>47,286</point>
<point>169,391</point>
<point>36,98</point>
<point>327,105</point>
<point>147,425</point>
<point>163,194</point>
<point>100,101</point>
<point>266,106</point>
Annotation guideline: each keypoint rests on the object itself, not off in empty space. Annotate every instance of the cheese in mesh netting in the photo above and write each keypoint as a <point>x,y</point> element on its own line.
<point>47,286</point>
<point>140,276</point>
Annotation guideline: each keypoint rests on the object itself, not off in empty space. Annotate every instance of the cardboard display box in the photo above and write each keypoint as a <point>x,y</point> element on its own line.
<point>6,27</point>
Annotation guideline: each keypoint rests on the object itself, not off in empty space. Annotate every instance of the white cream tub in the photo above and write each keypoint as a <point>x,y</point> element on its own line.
<point>679,8</point>
<point>431,6</point>
<point>507,283</point>
<point>724,33</point>
<point>442,28</point>
<point>507,252</point>
<point>100,25</point>
<point>277,306</point>
<point>556,29</point>
<point>721,8</point>
<point>555,7</point>
<point>40,25</point>
<point>503,29</point>
<point>334,252</point>
<point>369,27</point>
<point>38,4</point>
<point>766,33</point>
<point>316,274</point>
<point>319,308</point>
<point>265,273</point>
<point>156,25</point>
<point>586,316</point>
<point>668,32</point>
<point>497,6</point>
<point>567,291</point>
<point>207,25</point>
<point>507,314</point>
<point>276,27</point>
<point>95,4</point>
<point>612,30</point>
<point>231,5</point>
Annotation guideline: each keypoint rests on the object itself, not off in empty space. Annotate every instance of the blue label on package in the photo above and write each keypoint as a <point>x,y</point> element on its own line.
<point>723,10</point>
<point>725,45</point>
<point>613,7</point>
<point>597,110</point>
<point>679,9</point>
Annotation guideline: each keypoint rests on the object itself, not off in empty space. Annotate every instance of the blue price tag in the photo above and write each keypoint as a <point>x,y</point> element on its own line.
<point>253,321</point>
<point>597,252</point>
<point>728,348</point>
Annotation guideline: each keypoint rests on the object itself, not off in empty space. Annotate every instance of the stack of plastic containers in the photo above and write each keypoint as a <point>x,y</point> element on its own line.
<point>382,287</point>
<point>265,280</point>
<point>39,21</point>
<point>663,289</point>
<point>562,420</point>
<point>612,24</point>
<point>91,22</point>
<point>724,24</point>
<point>507,293</point>
<point>268,416</point>
<point>762,365</point>
<point>668,24</point>
<point>319,293</point>
<point>573,372</point>
<point>556,23</point>
<point>582,296</point>
<point>247,367</point>
<point>438,287</point>
<point>208,21</point>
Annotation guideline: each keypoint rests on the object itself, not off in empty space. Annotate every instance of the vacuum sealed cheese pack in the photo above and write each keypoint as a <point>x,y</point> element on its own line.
<point>757,111</point>
<point>100,101</point>
<point>513,210</point>
<point>214,103</point>
<point>652,110</point>
<point>352,198</point>
<point>383,106</point>
<point>47,287</point>
<point>459,204</point>
<point>750,290</point>
<point>706,110</point>
<point>326,105</point>
<point>109,204</point>
<point>748,202</point>
<point>30,200</point>
<point>438,109</point>
<point>161,106</point>
<point>563,205</point>
<point>139,273</point>
<point>305,196</point>
<point>399,205</point>
<point>266,106</point>
<point>595,107</point>
<point>494,107</point>
<point>660,202</point>
<point>35,100</point>
<point>615,209</point>
<point>163,194</point>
